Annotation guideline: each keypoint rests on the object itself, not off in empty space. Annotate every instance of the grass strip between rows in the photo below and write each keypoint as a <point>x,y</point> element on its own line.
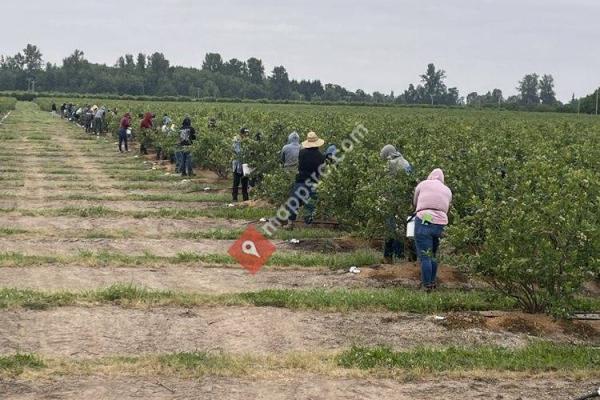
<point>538,357</point>
<point>246,213</point>
<point>106,258</point>
<point>340,300</point>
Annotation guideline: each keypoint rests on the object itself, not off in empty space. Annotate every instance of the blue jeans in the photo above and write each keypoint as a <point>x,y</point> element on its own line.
<point>178,159</point>
<point>123,139</point>
<point>186,163</point>
<point>309,204</point>
<point>427,239</point>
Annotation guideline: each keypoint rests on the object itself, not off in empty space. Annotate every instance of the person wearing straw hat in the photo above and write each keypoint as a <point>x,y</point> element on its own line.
<point>304,192</point>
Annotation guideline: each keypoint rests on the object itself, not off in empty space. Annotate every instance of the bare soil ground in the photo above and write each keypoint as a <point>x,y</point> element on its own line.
<point>142,227</point>
<point>110,330</point>
<point>312,387</point>
<point>210,280</point>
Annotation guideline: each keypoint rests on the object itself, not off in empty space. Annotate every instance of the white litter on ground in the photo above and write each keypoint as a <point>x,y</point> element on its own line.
<point>354,270</point>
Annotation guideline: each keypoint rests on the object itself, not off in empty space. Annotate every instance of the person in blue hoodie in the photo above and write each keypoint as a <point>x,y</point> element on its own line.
<point>289,152</point>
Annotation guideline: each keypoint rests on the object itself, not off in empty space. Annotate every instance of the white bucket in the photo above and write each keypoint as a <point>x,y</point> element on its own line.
<point>246,170</point>
<point>410,226</point>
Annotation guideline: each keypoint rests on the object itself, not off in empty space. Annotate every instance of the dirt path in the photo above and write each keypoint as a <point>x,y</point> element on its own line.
<point>143,227</point>
<point>106,330</point>
<point>179,278</point>
<point>312,387</point>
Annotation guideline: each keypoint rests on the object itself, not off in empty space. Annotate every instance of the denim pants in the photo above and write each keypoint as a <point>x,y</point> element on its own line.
<point>298,190</point>
<point>123,139</point>
<point>186,162</point>
<point>178,160</point>
<point>244,180</point>
<point>427,239</point>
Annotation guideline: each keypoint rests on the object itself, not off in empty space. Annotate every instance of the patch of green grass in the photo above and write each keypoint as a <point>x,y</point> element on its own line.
<point>17,363</point>
<point>233,234</point>
<point>406,300</point>
<point>13,259</point>
<point>400,299</point>
<point>197,361</point>
<point>85,212</point>
<point>104,234</point>
<point>5,231</point>
<point>538,357</point>
<point>244,213</point>
<point>151,177</point>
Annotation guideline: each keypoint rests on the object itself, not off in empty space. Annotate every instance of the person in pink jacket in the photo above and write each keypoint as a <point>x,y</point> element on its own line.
<point>432,202</point>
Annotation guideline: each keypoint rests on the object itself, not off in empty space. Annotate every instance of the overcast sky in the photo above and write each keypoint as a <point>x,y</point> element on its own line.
<point>370,44</point>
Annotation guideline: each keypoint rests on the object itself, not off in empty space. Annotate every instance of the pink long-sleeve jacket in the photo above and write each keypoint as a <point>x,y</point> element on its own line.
<point>433,197</point>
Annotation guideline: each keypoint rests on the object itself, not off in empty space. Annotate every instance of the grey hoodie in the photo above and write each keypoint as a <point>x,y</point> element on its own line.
<point>396,161</point>
<point>289,152</point>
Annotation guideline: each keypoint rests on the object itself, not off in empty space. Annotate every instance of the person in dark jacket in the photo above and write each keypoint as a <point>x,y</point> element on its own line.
<point>187,135</point>
<point>304,192</point>
<point>236,166</point>
<point>125,124</point>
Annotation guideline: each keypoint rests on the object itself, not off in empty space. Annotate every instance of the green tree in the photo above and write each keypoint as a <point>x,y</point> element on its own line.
<point>473,99</point>
<point>547,94</point>
<point>529,89</point>
<point>433,82</point>
<point>33,58</point>
<point>256,70</point>
<point>158,64</point>
<point>129,62</point>
<point>212,62</point>
<point>279,83</point>
<point>235,67</point>
<point>141,63</point>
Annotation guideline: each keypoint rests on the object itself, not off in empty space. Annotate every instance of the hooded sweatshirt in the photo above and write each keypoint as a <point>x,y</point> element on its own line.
<point>432,198</point>
<point>396,161</point>
<point>289,152</point>
<point>147,121</point>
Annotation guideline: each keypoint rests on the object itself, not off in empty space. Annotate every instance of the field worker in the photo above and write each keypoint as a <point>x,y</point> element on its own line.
<point>330,153</point>
<point>289,152</point>
<point>310,160</point>
<point>187,122</point>
<point>187,135</point>
<point>236,166</point>
<point>99,120</point>
<point>124,125</point>
<point>394,242</point>
<point>147,123</point>
<point>53,107</point>
<point>166,121</point>
<point>432,201</point>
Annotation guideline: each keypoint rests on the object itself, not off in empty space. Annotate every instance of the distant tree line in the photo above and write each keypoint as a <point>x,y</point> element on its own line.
<point>153,75</point>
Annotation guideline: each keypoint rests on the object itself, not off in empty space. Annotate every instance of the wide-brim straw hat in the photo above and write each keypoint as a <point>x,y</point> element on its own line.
<point>312,140</point>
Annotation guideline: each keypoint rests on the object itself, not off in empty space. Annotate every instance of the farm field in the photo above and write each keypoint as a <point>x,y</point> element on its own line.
<point>115,280</point>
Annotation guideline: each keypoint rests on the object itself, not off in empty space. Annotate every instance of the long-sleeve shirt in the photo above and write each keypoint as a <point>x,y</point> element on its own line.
<point>309,161</point>
<point>125,122</point>
<point>432,199</point>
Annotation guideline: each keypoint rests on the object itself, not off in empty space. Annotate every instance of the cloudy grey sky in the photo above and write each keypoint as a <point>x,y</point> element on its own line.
<point>371,44</point>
